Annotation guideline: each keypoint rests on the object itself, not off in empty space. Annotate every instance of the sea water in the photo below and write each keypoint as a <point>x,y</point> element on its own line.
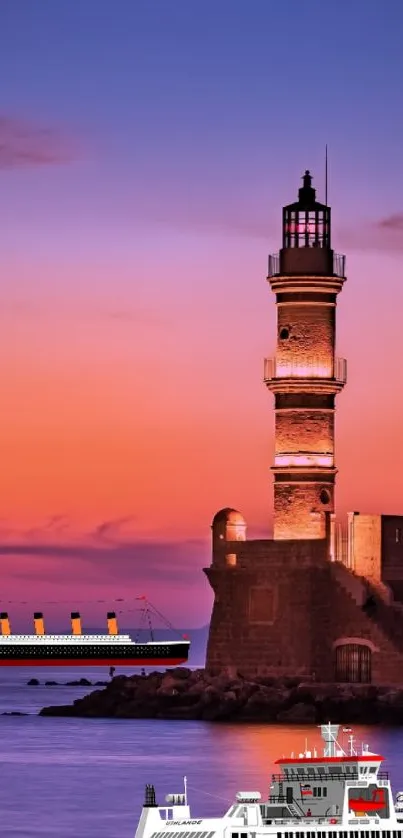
<point>85,778</point>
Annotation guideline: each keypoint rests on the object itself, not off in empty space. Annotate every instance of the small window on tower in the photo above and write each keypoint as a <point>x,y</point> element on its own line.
<point>324,497</point>
<point>398,536</point>
<point>284,333</point>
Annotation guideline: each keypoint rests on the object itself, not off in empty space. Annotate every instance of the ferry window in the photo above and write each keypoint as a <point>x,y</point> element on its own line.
<point>245,835</point>
<point>372,769</point>
<point>324,792</point>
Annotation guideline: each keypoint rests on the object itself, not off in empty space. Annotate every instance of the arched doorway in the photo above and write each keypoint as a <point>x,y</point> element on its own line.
<point>353,663</point>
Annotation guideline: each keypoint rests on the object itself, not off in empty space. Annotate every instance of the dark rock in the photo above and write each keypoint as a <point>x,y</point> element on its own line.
<point>33,683</point>
<point>263,704</point>
<point>15,713</point>
<point>51,684</point>
<point>179,673</point>
<point>82,682</point>
<point>182,694</point>
<point>61,710</point>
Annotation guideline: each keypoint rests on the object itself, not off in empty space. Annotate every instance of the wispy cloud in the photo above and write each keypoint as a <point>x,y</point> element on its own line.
<point>24,144</point>
<point>107,553</point>
<point>392,222</point>
<point>381,234</point>
<point>112,531</point>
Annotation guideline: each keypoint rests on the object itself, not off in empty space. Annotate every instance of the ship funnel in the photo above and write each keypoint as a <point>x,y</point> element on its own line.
<point>39,623</point>
<point>329,735</point>
<point>150,799</point>
<point>5,623</point>
<point>112,623</point>
<point>75,622</point>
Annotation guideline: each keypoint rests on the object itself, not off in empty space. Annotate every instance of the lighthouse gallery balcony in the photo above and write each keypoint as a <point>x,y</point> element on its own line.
<point>309,368</point>
<point>309,264</point>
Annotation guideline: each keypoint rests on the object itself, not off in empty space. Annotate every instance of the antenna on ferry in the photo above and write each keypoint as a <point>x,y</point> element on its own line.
<point>351,741</point>
<point>185,786</point>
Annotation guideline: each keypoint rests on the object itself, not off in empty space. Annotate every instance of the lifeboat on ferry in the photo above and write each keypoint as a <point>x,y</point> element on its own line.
<point>376,802</point>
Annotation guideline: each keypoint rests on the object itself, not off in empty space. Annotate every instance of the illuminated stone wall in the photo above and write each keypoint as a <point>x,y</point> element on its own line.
<point>306,335</point>
<point>299,511</point>
<point>365,545</point>
<point>302,430</point>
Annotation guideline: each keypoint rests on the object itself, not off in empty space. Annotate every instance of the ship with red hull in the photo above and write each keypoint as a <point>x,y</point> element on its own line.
<point>78,649</point>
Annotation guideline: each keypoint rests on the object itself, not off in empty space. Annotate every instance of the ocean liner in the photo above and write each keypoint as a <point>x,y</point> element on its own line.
<point>78,649</point>
<point>341,794</point>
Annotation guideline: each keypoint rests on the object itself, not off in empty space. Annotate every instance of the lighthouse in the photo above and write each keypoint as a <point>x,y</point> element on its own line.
<point>305,375</point>
<point>281,608</point>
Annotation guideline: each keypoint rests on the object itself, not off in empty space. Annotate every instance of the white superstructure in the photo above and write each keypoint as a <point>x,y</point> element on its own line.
<point>74,639</point>
<point>340,794</point>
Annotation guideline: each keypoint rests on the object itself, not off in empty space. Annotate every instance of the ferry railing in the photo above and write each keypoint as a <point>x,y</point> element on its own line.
<point>312,776</point>
<point>297,821</point>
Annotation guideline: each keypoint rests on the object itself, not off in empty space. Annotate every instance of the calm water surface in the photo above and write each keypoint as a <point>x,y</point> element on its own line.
<point>84,778</point>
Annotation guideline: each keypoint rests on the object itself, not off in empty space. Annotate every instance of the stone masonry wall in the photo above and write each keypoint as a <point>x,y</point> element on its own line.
<point>366,546</point>
<point>304,430</point>
<point>281,609</point>
<point>298,512</point>
<point>311,334</point>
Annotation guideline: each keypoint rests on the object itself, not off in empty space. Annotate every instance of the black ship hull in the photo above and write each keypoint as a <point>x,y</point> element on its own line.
<point>135,654</point>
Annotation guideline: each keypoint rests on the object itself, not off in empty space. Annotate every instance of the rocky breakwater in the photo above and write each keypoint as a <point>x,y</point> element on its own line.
<point>184,694</point>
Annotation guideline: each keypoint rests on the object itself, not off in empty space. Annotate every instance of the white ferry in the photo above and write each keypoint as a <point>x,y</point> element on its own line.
<point>342,794</point>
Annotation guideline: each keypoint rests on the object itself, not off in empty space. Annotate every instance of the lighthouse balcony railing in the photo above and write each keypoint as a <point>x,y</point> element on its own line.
<point>339,265</point>
<point>305,368</point>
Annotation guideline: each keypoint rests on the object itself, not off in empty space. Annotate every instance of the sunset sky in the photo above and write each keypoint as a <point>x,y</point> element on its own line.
<point>146,150</point>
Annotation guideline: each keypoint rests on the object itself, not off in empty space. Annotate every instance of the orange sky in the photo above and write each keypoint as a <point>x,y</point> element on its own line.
<point>154,415</point>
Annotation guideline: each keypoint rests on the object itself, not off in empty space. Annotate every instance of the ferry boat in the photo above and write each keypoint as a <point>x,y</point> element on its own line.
<point>78,649</point>
<point>344,793</point>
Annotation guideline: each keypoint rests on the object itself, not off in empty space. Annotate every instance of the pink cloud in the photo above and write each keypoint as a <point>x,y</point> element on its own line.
<point>24,144</point>
<point>392,222</point>
<point>381,234</point>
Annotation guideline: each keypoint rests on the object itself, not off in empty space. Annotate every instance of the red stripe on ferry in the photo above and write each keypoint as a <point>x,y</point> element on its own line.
<point>310,760</point>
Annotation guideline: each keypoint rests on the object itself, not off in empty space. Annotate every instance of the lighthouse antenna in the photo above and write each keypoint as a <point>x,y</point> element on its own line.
<point>326,174</point>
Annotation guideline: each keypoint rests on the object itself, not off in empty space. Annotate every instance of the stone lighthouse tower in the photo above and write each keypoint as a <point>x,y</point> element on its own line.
<point>305,375</point>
